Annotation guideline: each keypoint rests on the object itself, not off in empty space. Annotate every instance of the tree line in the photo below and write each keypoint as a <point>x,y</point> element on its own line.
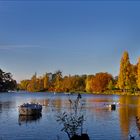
<point>127,80</point>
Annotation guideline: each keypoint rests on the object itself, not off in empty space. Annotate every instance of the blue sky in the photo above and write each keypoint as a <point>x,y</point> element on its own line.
<point>76,37</point>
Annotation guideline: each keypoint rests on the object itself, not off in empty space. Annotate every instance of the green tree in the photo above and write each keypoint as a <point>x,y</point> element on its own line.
<point>6,82</point>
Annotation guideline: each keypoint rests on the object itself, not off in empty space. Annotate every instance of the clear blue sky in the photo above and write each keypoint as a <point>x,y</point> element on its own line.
<point>77,37</point>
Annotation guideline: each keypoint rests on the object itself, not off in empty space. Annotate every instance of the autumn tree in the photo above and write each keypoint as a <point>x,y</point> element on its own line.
<point>46,81</point>
<point>32,86</point>
<point>138,71</point>
<point>57,79</point>
<point>39,84</point>
<point>82,82</point>
<point>110,85</point>
<point>124,78</point>
<point>79,83</point>
<point>89,83</point>
<point>68,83</point>
<point>74,83</point>
<point>133,77</point>
<point>24,84</point>
<point>100,82</point>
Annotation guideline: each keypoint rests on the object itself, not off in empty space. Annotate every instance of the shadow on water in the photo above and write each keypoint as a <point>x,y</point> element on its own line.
<point>25,119</point>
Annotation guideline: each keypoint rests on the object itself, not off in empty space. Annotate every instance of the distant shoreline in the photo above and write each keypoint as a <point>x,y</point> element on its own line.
<point>108,92</point>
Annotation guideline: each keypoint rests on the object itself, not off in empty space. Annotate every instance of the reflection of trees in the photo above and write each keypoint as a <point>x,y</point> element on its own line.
<point>127,111</point>
<point>138,108</point>
<point>58,104</point>
<point>99,107</point>
<point>44,102</point>
<point>6,105</point>
<point>138,115</point>
<point>55,104</point>
<point>28,119</point>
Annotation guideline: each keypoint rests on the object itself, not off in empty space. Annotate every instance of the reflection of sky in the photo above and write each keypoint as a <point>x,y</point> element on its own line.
<point>100,122</point>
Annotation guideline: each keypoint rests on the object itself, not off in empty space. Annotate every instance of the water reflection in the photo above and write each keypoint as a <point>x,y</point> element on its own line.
<point>25,119</point>
<point>128,111</point>
<point>6,105</point>
<point>118,124</point>
<point>43,102</point>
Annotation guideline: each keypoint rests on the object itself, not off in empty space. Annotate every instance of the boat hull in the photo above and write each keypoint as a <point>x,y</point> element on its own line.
<point>29,111</point>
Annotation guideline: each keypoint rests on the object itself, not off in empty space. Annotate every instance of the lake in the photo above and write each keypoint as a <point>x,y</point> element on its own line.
<point>100,123</point>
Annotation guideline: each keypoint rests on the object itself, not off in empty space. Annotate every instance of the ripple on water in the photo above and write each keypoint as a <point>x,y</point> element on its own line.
<point>100,124</point>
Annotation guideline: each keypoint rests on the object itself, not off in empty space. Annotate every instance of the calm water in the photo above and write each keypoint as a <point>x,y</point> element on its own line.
<point>101,123</point>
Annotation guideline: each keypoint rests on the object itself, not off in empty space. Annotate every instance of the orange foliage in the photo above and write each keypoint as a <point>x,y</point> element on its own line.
<point>100,82</point>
